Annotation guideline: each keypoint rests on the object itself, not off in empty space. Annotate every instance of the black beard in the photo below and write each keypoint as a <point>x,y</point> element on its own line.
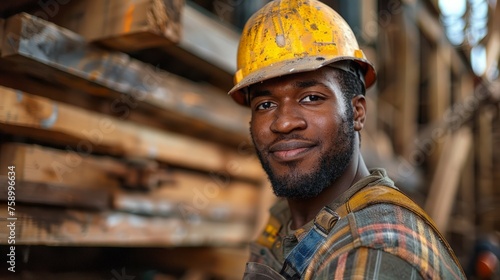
<point>331,166</point>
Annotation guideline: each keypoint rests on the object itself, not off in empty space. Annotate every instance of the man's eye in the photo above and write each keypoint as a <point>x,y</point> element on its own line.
<point>264,106</point>
<point>311,98</point>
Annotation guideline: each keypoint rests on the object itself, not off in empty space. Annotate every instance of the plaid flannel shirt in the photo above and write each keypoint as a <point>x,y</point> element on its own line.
<point>382,241</point>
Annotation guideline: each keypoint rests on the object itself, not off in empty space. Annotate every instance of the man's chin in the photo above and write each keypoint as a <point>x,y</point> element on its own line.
<point>295,186</point>
<point>295,193</point>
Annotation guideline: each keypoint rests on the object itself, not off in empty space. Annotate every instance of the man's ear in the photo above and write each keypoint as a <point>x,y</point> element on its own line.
<point>359,108</point>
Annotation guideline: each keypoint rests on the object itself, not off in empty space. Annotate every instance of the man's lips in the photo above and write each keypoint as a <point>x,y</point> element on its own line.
<point>290,150</point>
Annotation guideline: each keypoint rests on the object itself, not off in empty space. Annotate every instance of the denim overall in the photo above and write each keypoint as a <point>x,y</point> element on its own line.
<point>301,255</point>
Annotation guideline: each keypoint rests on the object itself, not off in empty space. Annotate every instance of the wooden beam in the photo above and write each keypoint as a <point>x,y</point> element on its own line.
<point>467,207</point>
<point>115,23</point>
<point>66,178</point>
<point>60,226</point>
<point>407,57</point>
<point>120,108</point>
<point>57,195</point>
<point>205,48</point>
<point>128,84</point>
<point>493,44</point>
<point>124,25</point>
<point>87,132</point>
<point>191,195</point>
<point>439,95</point>
<point>445,182</point>
<point>209,39</point>
<point>464,89</point>
<point>440,82</point>
<point>63,168</point>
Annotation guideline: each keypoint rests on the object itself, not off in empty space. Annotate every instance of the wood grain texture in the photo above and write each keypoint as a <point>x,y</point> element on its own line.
<point>88,132</point>
<point>59,226</point>
<point>43,50</point>
<point>124,25</point>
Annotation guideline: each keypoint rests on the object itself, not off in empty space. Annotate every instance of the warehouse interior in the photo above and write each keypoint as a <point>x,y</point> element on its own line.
<point>131,162</point>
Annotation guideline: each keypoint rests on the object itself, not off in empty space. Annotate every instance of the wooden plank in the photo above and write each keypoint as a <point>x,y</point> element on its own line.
<point>439,96</point>
<point>444,185</point>
<point>407,79</point>
<point>123,108</point>
<point>209,39</point>
<point>207,54</point>
<point>57,195</point>
<point>54,122</point>
<point>60,226</point>
<point>493,44</point>
<point>105,23</point>
<point>124,25</point>
<point>465,88</point>
<point>53,177</point>
<point>439,79</point>
<point>38,164</point>
<point>464,223</point>
<point>193,196</point>
<point>129,83</point>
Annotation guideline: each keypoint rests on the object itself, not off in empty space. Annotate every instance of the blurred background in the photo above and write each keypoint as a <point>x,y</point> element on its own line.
<point>121,157</point>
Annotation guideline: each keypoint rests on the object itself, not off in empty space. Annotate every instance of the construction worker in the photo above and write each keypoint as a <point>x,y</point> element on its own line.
<point>301,72</point>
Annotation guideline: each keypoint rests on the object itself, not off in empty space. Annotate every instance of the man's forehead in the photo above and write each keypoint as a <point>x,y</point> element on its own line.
<point>319,77</point>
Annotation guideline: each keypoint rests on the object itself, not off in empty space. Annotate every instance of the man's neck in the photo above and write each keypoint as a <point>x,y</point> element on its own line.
<point>304,210</point>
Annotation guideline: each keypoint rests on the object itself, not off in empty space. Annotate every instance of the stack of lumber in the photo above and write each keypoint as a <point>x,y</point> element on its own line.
<point>204,48</point>
<point>111,151</point>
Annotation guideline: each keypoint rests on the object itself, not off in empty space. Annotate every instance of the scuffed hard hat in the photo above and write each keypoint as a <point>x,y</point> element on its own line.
<point>291,36</point>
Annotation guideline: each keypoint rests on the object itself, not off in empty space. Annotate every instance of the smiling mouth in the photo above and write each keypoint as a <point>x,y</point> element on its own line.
<point>290,150</point>
<point>289,154</point>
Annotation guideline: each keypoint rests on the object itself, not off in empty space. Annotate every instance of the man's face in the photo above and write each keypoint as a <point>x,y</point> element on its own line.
<point>302,130</point>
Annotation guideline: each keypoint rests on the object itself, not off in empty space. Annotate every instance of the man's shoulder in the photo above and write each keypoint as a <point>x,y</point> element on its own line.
<point>387,225</point>
<point>379,226</point>
<point>392,230</point>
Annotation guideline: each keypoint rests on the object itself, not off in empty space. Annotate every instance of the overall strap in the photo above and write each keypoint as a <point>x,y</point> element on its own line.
<point>382,194</point>
<point>300,257</point>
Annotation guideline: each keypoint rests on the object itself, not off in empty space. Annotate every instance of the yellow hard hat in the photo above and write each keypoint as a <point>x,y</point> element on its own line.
<point>291,36</point>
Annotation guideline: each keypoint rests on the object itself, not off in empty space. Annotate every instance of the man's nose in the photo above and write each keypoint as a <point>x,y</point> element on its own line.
<point>288,118</point>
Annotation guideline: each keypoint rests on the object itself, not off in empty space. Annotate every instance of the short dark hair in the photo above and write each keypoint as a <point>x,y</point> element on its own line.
<point>350,85</point>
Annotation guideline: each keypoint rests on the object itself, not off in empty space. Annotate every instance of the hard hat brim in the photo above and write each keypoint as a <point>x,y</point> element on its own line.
<point>297,65</point>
